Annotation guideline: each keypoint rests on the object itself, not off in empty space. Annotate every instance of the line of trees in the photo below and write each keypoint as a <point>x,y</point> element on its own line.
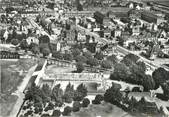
<point>161,78</point>
<point>45,99</point>
<point>135,107</point>
<point>131,70</point>
<point>86,58</point>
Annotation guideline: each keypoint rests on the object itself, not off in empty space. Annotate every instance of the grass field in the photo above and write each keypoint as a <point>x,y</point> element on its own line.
<point>12,73</point>
<point>102,110</point>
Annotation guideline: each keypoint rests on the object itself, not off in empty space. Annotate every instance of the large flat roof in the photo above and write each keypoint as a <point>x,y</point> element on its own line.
<point>163,3</point>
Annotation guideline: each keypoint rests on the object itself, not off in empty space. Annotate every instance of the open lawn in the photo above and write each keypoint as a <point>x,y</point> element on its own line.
<point>102,110</point>
<point>12,73</point>
<point>51,69</point>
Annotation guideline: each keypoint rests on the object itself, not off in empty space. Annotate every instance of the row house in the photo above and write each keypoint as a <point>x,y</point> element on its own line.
<point>79,13</point>
<point>151,17</point>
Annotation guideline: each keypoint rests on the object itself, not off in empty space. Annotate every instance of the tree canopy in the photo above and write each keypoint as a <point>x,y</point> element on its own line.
<point>130,59</point>
<point>160,76</point>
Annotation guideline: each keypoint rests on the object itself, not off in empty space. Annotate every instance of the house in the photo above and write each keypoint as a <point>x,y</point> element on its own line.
<point>55,46</point>
<point>125,34</point>
<point>32,39</point>
<point>162,34</point>
<point>91,47</point>
<point>106,21</point>
<point>117,33</point>
<point>107,33</point>
<point>131,5</point>
<point>29,13</point>
<point>2,12</point>
<point>81,37</point>
<point>136,30</point>
<point>111,15</point>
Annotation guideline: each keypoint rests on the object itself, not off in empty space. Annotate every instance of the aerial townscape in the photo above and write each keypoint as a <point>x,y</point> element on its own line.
<point>84,58</point>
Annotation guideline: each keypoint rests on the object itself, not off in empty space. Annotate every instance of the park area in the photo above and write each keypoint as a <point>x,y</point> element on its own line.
<point>102,110</point>
<point>54,69</point>
<point>12,73</point>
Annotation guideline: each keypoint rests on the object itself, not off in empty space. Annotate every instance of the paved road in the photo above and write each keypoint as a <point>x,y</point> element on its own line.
<point>97,37</point>
<point>121,49</point>
<point>35,25</point>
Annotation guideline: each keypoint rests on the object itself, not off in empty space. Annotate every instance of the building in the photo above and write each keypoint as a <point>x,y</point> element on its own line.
<point>32,39</point>
<point>120,12</point>
<point>107,33</point>
<point>134,14</point>
<point>117,33</point>
<point>125,34</point>
<point>106,21</point>
<point>99,17</point>
<point>136,30</point>
<point>151,17</point>
<point>162,6</point>
<point>79,13</point>
<point>29,13</point>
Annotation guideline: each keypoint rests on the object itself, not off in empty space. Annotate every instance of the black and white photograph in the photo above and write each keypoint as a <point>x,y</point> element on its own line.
<point>84,58</point>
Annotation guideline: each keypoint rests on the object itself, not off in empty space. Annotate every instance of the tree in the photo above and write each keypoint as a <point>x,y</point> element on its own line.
<point>81,59</point>
<point>46,52</point>
<point>79,7</point>
<point>98,99</point>
<point>49,107</point>
<point>69,93</point>
<point>34,48</point>
<point>92,62</point>
<point>137,75</point>
<point>160,76</point>
<point>38,108</point>
<point>57,94</point>
<point>42,46</point>
<point>15,41</point>
<point>80,93</point>
<point>148,83</point>
<point>106,64</point>
<point>29,112</point>
<point>113,95</point>
<point>56,113</point>
<point>165,88</point>
<point>34,94</point>
<point>23,44</point>
<point>88,54</point>
<point>121,72</point>
<point>68,57</point>
<point>57,55</point>
<point>76,106</point>
<point>120,41</point>
<point>80,67</point>
<point>67,111</point>
<point>112,59</point>
<point>132,104</point>
<point>46,90</point>
<point>44,39</point>
<point>130,59</point>
<point>86,102</point>
<point>142,66</point>
<point>76,52</point>
<point>99,55</point>
<point>45,115</point>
